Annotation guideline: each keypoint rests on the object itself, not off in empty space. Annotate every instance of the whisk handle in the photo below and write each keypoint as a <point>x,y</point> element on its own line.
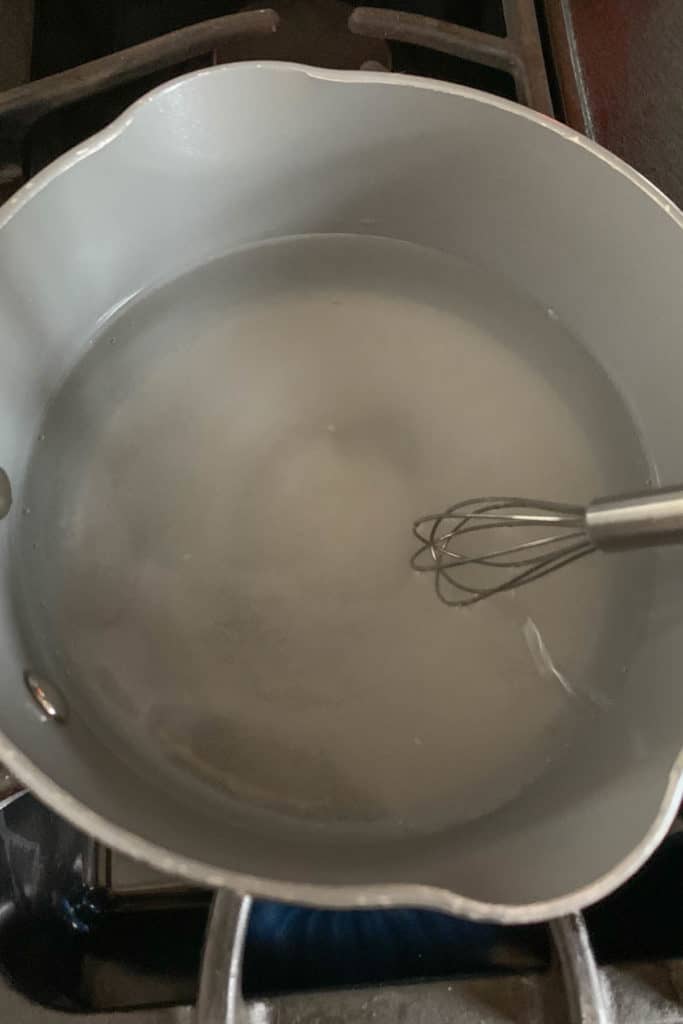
<point>642,520</point>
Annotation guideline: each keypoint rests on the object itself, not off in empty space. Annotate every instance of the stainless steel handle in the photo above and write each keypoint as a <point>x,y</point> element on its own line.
<point>642,520</point>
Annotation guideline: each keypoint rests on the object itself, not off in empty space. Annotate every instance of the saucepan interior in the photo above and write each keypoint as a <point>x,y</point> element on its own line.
<point>251,332</point>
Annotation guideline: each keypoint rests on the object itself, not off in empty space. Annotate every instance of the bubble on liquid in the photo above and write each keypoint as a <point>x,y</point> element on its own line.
<point>41,437</point>
<point>26,511</point>
<point>552,314</point>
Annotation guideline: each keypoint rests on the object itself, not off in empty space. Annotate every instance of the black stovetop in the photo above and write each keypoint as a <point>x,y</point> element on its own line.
<point>81,931</point>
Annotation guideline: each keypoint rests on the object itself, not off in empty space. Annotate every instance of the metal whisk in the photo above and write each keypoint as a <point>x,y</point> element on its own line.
<point>475,550</point>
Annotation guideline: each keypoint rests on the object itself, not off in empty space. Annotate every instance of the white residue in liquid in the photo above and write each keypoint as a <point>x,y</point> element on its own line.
<point>283,415</point>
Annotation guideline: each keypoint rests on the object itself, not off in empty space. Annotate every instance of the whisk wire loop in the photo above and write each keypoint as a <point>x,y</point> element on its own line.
<point>457,578</point>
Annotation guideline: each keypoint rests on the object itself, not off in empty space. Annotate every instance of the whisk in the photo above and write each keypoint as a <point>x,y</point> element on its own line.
<point>470,549</point>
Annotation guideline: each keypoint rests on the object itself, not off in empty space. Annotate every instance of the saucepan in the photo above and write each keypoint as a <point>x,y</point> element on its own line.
<point>248,333</point>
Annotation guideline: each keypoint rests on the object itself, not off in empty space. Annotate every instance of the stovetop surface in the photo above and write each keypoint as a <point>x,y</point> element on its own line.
<point>83,930</point>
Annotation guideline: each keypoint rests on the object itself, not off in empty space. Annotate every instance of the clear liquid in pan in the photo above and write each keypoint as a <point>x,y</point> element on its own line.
<point>224,495</point>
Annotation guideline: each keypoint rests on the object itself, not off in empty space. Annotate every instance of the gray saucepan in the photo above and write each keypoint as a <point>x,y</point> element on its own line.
<point>248,333</point>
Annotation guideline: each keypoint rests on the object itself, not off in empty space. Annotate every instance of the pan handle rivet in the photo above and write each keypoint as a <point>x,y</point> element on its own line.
<point>48,698</point>
<point>5,494</point>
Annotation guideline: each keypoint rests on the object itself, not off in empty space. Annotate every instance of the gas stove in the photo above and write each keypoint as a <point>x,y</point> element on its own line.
<point>88,935</point>
<point>85,933</point>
